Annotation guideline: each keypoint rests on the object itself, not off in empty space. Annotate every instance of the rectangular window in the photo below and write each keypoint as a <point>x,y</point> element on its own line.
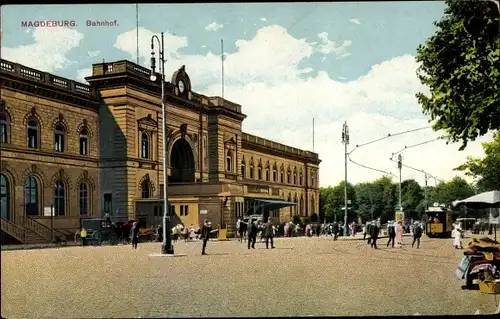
<point>107,204</point>
<point>59,143</point>
<point>186,210</point>
<point>84,146</point>
<point>32,138</point>
<point>3,133</point>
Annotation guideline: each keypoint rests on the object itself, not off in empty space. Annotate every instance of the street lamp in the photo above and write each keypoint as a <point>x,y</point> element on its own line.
<point>345,141</point>
<point>166,247</point>
<point>400,166</point>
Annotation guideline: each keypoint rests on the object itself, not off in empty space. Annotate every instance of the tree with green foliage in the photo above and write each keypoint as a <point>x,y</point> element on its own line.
<point>332,200</point>
<point>485,170</point>
<point>412,196</point>
<point>460,64</point>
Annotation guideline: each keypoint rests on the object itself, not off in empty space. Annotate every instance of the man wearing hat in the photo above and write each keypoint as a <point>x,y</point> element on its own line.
<point>205,235</point>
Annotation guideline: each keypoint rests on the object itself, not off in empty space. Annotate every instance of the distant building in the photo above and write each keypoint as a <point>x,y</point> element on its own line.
<point>82,151</point>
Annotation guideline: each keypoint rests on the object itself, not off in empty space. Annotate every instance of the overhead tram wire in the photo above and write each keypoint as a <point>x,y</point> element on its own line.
<point>389,135</point>
<point>370,168</point>
<point>378,140</point>
<point>415,145</point>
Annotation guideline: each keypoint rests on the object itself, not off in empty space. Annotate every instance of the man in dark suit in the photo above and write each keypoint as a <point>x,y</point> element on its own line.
<point>205,235</point>
<point>417,233</point>
<point>374,235</point>
<point>335,231</point>
<point>269,233</point>
<point>252,233</point>
<point>391,232</point>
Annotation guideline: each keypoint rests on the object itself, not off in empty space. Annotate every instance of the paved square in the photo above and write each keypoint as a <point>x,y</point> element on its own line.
<point>302,276</point>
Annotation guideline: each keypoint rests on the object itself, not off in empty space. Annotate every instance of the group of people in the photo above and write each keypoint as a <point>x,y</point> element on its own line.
<point>395,232</point>
<point>250,229</point>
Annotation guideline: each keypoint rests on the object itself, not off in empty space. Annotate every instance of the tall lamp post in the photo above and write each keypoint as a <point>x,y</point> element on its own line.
<point>345,141</point>
<point>400,166</point>
<point>166,247</point>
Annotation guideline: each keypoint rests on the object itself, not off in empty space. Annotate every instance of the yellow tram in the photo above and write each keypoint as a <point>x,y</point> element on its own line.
<point>440,223</point>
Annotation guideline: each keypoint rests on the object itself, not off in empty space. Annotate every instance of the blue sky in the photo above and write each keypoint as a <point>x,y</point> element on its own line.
<point>285,64</point>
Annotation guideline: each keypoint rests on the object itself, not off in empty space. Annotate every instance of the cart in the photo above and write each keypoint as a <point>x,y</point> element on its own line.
<point>98,231</point>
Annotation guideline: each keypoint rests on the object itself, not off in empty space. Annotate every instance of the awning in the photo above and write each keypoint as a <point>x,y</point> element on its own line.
<point>272,204</point>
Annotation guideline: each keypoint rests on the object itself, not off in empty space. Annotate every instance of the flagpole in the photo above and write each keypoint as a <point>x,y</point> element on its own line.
<point>222,62</point>
<point>137,29</point>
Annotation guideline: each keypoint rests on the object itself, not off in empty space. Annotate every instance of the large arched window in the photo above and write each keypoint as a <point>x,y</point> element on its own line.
<point>59,198</point>
<point>243,169</point>
<point>295,176</point>
<point>275,173</point>
<point>31,196</point>
<point>300,177</point>
<point>4,128</point>
<point>59,134</point>
<point>268,175</point>
<point>32,133</point>
<point>229,161</point>
<point>84,142</point>
<point>282,176</point>
<point>288,176</point>
<point>4,196</point>
<point>259,172</point>
<point>252,171</point>
<point>144,145</point>
<point>145,190</point>
<point>84,199</point>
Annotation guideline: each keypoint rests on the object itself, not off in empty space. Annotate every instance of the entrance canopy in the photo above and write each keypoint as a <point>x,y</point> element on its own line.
<point>272,204</point>
<point>484,200</point>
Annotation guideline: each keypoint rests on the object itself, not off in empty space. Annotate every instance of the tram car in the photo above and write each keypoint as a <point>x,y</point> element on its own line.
<point>440,222</point>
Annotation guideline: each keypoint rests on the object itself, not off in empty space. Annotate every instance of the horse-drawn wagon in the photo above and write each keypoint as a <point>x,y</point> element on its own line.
<point>97,231</point>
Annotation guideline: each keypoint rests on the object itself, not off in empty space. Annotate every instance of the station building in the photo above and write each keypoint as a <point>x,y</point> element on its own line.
<point>71,151</point>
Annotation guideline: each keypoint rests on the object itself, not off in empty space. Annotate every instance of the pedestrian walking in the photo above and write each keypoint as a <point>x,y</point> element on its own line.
<point>205,235</point>
<point>269,233</point>
<point>134,235</point>
<point>391,232</point>
<point>417,233</point>
<point>457,236</point>
<point>399,234</point>
<point>252,233</point>
<point>335,228</point>
<point>374,235</point>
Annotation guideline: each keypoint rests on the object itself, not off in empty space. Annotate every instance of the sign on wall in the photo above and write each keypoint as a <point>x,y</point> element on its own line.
<point>203,211</point>
<point>47,211</point>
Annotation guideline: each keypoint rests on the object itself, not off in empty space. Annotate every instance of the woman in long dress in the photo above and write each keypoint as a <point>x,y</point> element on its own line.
<point>399,234</point>
<point>456,233</point>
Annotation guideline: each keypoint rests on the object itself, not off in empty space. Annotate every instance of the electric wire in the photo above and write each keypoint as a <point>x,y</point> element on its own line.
<point>370,168</point>
<point>389,135</point>
<point>415,145</point>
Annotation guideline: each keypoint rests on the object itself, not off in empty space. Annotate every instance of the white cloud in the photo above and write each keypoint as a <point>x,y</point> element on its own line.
<point>48,52</point>
<point>82,74</point>
<point>93,54</point>
<point>263,19</point>
<point>214,26</point>
<point>341,77</point>
<point>281,98</point>
<point>327,47</point>
<point>355,21</point>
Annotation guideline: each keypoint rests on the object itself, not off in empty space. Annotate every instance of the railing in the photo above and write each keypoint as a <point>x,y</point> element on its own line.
<point>35,75</point>
<point>13,230</point>
<point>278,146</point>
<point>41,229</point>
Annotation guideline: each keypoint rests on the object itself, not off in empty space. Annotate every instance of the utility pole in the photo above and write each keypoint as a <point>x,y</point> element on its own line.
<point>425,191</point>
<point>345,141</point>
<point>400,166</point>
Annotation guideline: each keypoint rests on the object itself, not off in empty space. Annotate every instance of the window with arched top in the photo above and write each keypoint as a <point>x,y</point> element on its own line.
<point>4,128</point>
<point>144,145</point>
<point>313,180</point>
<point>300,178</point>
<point>59,134</point>
<point>31,196</point>
<point>288,176</point>
<point>252,171</point>
<point>59,198</point>
<point>243,169</point>
<point>83,190</point>
<point>282,176</point>
<point>268,176</point>
<point>259,172</point>
<point>145,190</point>
<point>84,142</point>
<point>275,175</point>
<point>32,133</point>
<point>4,196</point>
<point>295,177</point>
<point>229,161</point>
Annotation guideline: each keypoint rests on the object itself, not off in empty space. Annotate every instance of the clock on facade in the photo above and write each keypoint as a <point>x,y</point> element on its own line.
<point>181,86</point>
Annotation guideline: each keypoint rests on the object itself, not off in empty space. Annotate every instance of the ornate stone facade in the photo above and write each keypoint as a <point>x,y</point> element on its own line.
<point>214,167</point>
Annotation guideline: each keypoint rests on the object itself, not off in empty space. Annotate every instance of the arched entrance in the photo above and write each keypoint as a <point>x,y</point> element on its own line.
<point>4,196</point>
<point>181,163</point>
